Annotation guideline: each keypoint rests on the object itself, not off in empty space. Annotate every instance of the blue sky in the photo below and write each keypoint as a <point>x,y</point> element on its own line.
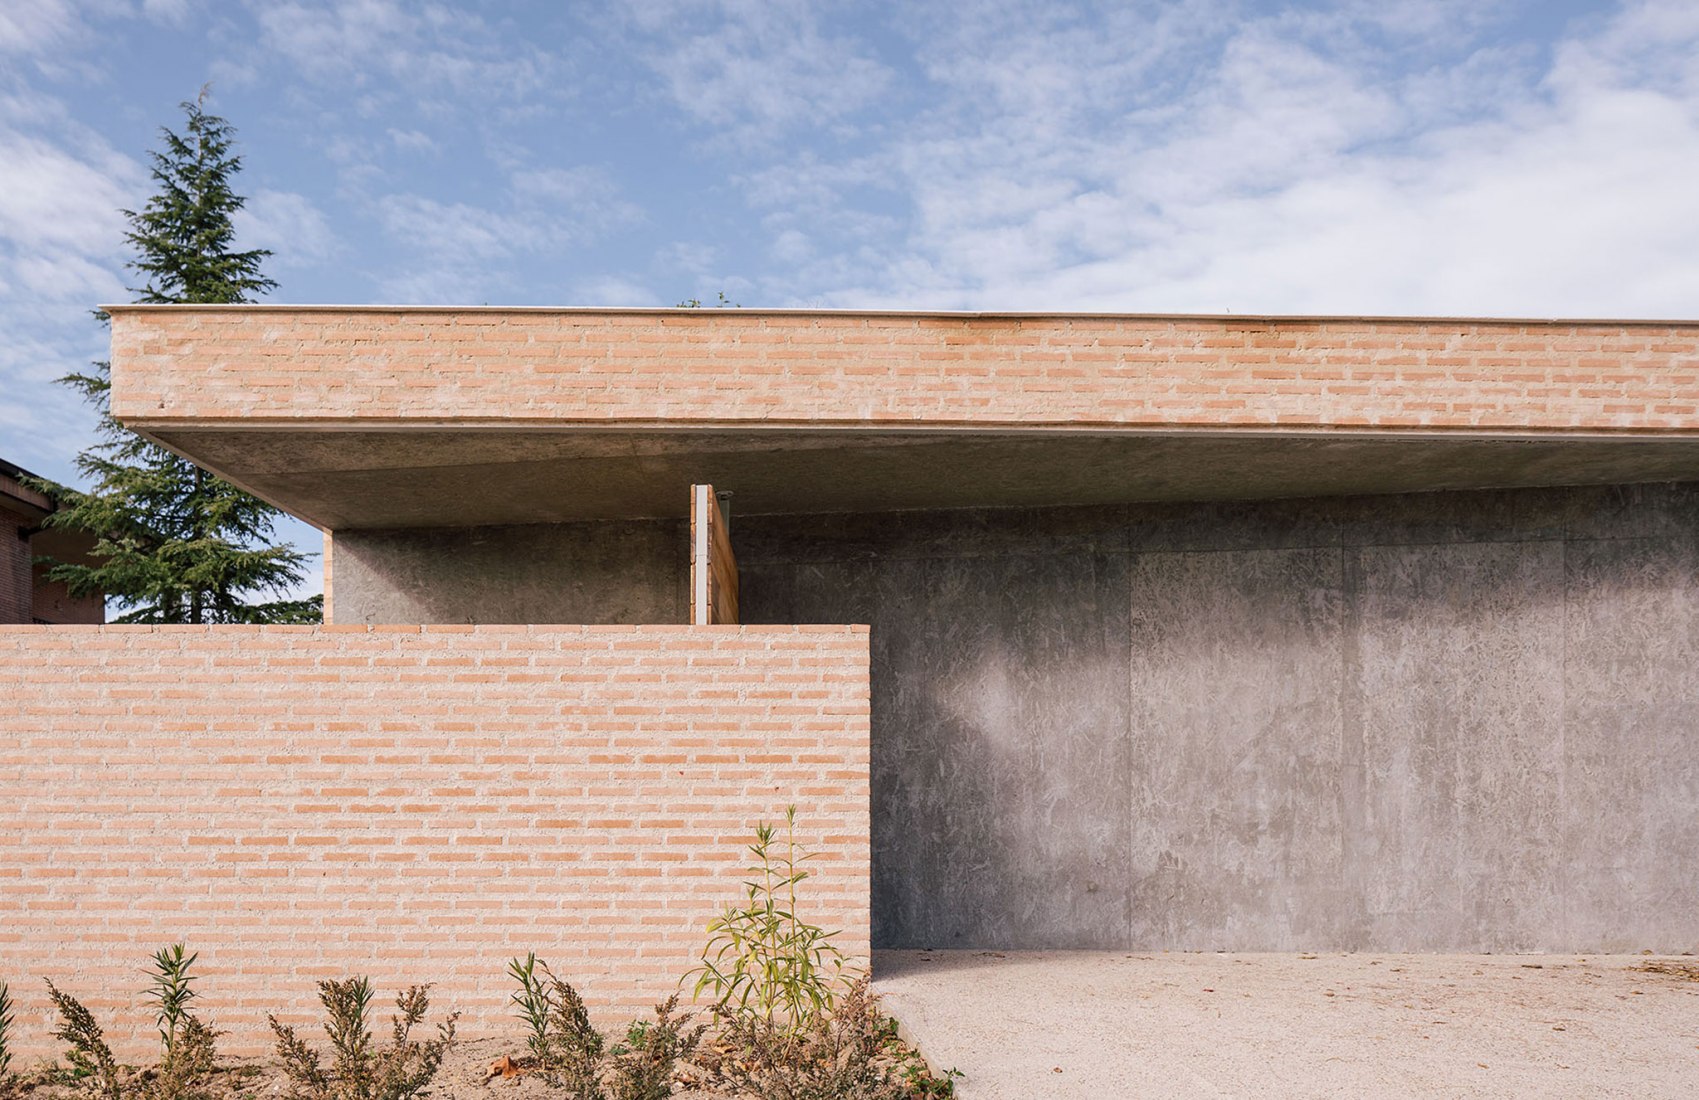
<point>1524,157</point>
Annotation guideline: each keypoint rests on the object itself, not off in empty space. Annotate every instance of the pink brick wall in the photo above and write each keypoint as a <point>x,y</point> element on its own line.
<point>294,364</point>
<point>413,804</point>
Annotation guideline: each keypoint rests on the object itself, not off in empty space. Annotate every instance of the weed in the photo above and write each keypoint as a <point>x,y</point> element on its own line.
<point>533,1003</point>
<point>360,1071</point>
<point>643,1066</point>
<point>91,1059</point>
<point>172,991</point>
<point>6,1017</point>
<point>185,1072</point>
<point>761,959</point>
<point>852,1054</point>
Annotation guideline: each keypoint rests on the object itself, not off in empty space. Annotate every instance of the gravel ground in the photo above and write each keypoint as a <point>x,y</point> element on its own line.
<point>1027,1026</point>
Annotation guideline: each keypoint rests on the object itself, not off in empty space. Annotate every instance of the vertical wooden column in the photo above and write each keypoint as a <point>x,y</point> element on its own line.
<point>713,568</point>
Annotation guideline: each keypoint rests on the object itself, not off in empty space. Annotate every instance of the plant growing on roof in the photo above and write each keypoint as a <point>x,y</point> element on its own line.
<point>762,959</point>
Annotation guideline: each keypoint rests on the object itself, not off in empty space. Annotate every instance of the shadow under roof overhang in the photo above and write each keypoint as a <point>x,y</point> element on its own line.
<point>440,477</point>
<point>379,417</point>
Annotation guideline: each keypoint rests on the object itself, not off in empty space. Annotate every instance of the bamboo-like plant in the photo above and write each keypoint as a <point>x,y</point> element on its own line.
<point>172,990</point>
<point>532,1003</point>
<point>762,960</point>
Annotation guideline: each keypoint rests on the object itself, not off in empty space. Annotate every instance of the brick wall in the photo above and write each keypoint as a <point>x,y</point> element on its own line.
<point>410,803</point>
<point>15,576</point>
<point>292,364</point>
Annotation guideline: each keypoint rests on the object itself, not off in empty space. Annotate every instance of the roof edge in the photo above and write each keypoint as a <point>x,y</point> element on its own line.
<point>1061,315</point>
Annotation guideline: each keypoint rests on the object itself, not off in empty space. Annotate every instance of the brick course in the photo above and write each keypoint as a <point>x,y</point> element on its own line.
<point>410,803</point>
<point>737,367</point>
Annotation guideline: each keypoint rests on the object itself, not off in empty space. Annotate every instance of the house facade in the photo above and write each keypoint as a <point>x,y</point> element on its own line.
<point>1063,631</point>
<point>26,593</point>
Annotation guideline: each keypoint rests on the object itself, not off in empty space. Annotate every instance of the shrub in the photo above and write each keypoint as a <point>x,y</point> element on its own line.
<point>186,1070</point>
<point>761,959</point>
<point>643,1066</point>
<point>6,1079</point>
<point>851,1054</point>
<point>91,1059</point>
<point>172,991</point>
<point>359,1071</point>
<point>565,1048</point>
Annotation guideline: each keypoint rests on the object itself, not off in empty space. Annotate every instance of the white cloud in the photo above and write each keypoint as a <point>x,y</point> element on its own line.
<point>28,26</point>
<point>1286,164</point>
<point>288,224</point>
<point>754,70</point>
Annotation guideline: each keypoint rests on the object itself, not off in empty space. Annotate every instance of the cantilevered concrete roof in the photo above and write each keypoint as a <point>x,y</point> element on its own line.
<point>401,416</point>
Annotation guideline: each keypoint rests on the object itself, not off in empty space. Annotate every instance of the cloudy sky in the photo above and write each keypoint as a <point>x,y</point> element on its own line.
<point>1497,157</point>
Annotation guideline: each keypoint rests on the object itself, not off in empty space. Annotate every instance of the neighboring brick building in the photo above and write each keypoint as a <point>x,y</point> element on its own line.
<point>1246,633</point>
<point>26,594</point>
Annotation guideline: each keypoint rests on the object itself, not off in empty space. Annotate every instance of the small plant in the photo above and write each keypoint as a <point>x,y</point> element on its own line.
<point>5,1040</point>
<point>533,1003</point>
<point>172,991</point>
<point>566,1049</point>
<point>91,1059</point>
<point>851,1054</point>
<point>643,1066</point>
<point>186,1070</point>
<point>761,959</point>
<point>359,1071</point>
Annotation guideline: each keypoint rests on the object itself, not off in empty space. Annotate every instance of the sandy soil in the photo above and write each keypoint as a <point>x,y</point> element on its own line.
<point>1025,1026</point>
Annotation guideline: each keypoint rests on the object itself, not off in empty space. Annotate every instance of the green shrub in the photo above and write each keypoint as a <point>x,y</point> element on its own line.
<point>172,991</point>
<point>762,960</point>
<point>566,1050</point>
<point>360,1071</point>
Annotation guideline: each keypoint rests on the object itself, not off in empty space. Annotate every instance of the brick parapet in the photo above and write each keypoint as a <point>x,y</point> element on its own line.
<point>296,365</point>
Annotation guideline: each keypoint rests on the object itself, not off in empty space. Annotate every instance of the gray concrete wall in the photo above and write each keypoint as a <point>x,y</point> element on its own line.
<point>626,572</point>
<point>1449,721</point>
<point>1462,721</point>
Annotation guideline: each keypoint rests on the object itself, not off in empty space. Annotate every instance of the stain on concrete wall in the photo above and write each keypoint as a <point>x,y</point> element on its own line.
<point>1458,721</point>
<point>577,573</point>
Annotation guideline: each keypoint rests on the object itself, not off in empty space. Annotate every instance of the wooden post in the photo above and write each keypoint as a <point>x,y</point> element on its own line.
<point>713,568</point>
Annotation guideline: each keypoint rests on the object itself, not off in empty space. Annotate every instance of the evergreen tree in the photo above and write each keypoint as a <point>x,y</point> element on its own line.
<point>174,543</point>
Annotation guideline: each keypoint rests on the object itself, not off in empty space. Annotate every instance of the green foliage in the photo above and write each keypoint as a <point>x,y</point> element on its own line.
<point>532,1004</point>
<point>185,1073</point>
<point>643,1066</point>
<point>723,303</point>
<point>359,1070</point>
<point>566,1049</point>
<point>851,1054</point>
<point>762,960</point>
<point>172,991</point>
<point>6,1018</point>
<point>173,544</point>
<point>91,1059</point>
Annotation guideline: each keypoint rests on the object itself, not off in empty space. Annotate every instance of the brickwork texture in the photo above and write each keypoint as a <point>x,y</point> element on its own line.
<point>414,804</point>
<point>294,364</point>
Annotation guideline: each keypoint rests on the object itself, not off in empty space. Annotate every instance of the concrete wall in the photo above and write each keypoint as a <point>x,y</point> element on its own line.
<point>414,805</point>
<point>1433,721</point>
<point>1460,721</point>
<point>629,572</point>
